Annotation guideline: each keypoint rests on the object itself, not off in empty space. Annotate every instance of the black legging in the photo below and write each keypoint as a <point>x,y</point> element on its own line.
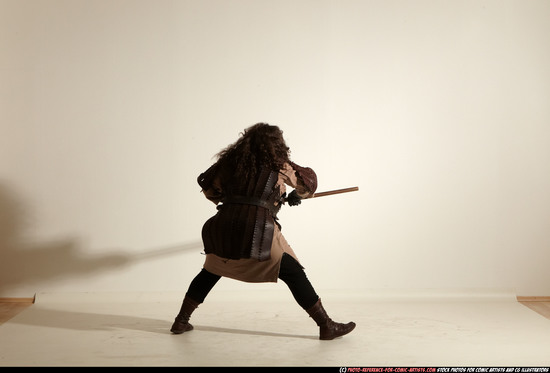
<point>291,272</point>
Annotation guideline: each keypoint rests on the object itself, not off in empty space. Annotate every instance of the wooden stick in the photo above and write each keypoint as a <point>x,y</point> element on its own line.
<point>331,192</point>
<point>336,191</point>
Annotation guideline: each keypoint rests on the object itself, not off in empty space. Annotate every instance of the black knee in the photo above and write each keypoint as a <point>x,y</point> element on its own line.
<point>201,285</point>
<point>293,274</point>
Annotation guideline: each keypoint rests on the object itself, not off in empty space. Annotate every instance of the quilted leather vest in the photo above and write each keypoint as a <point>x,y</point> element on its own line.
<point>244,224</point>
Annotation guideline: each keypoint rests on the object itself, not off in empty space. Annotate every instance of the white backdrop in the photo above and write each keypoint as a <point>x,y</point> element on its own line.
<point>437,110</point>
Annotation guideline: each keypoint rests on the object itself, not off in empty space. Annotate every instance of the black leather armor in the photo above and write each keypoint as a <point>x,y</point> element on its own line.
<point>244,225</point>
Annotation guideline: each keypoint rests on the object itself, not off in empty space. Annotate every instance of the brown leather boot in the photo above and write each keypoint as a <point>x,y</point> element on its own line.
<point>328,328</point>
<point>181,324</point>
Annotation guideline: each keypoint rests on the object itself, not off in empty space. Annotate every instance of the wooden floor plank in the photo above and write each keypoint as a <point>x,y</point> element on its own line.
<point>542,308</point>
<point>11,309</point>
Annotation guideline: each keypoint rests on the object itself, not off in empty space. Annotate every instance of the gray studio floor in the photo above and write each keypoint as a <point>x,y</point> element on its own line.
<point>248,329</point>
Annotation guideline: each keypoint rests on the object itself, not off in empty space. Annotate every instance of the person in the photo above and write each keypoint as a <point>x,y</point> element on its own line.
<point>243,240</point>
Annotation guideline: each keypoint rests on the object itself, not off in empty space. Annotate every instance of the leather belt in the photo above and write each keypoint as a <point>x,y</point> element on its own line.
<point>248,200</point>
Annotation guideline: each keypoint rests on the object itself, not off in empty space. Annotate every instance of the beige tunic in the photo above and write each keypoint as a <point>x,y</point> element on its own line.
<point>251,270</point>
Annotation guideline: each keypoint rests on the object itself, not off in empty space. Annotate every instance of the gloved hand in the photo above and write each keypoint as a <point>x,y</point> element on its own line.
<point>294,199</point>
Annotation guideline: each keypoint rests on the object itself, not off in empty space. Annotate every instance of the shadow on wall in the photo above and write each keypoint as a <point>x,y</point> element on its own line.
<point>22,262</point>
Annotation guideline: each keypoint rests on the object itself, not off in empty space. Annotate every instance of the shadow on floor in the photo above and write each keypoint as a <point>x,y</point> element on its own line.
<point>251,332</point>
<point>86,321</point>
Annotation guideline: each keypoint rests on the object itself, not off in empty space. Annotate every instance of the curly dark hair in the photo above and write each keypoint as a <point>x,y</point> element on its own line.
<point>260,145</point>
